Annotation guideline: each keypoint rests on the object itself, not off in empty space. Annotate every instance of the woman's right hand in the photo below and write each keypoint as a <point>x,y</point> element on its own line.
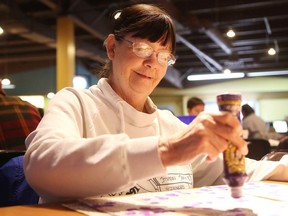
<point>207,134</point>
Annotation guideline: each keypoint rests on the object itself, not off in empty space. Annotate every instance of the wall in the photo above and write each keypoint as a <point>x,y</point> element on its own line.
<point>41,81</point>
<point>274,109</point>
<point>269,95</point>
<point>35,82</point>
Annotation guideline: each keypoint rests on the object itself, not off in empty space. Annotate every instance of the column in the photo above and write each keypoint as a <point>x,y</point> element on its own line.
<point>65,70</point>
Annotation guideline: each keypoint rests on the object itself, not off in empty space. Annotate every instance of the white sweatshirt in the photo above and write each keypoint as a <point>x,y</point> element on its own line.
<point>93,143</point>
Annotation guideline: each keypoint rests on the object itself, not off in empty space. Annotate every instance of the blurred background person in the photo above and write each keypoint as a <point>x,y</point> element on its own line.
<point>256,126</point>
<point>18,118</point>
<point>195,105</point>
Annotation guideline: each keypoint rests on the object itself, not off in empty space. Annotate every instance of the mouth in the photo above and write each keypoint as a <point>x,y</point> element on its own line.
<point>143,76</point>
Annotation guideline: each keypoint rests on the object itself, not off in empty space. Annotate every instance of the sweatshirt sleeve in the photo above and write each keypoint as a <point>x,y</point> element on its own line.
<point>61,164</point>
<point>212,173</point>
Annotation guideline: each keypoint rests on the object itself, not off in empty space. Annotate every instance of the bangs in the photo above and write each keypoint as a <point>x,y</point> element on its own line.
<point>154,29</point>
<point>151,24</point>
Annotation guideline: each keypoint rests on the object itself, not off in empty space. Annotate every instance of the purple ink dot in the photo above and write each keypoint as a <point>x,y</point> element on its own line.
<point>146,199</point>
<point>161,198</point>
<point>130,213</point>
<point>188,206</point>
<point>172,194</point>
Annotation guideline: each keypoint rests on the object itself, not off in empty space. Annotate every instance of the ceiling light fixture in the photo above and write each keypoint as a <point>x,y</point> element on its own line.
<point>267,73</point>
<point>6,84</point>
<point>227,71</point>
<point>5,81</point>
<point>1,30</point>
<point>271,51</point>
<point>80,82</point>
<point>50,95</point>
<point>215,76</point>
<point>230,33</point>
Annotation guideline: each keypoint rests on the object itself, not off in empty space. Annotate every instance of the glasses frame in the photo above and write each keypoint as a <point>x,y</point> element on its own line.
<point>170,62</point>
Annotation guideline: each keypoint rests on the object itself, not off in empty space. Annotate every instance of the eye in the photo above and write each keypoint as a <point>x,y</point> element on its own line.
<point>164,57</point>
<point>142,49</point>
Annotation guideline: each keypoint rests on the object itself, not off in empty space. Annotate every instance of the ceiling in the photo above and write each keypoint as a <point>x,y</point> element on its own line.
<point>29,40</point>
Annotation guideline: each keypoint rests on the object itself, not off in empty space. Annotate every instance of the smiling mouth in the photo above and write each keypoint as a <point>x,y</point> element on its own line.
<point>144,76</point>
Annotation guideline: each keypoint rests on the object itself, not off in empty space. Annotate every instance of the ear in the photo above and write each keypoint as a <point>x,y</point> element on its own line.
<point>110,46</point>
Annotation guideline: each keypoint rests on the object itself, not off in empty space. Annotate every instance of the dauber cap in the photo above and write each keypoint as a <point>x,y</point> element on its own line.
<point>236,192</point>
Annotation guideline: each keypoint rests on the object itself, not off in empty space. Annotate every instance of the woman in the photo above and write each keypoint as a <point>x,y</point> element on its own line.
<point>111,139</point>
<point>256,126</point>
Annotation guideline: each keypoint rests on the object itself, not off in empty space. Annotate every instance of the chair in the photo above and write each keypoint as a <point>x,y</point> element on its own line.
<point>258,148</point>
<point>6,155</point>
<point>14,189</point>
<point>186,119</point>
<point>279,152</point>
<point>274,156</point>
<point>283,144</point>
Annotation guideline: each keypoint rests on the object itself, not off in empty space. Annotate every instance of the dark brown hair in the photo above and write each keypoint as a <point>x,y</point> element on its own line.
<point>247,110</point>
<point>146,22</point>
<point>194,101</point>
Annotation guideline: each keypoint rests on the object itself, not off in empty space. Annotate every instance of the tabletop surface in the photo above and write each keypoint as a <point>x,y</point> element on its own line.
<point>56,209</point>
<point>261,198</point>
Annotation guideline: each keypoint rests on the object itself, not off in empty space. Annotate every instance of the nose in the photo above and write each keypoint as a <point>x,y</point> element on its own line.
<point>151,61</point>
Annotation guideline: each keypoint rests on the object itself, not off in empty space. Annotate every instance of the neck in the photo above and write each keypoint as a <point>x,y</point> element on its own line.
<point>138,105</point>
<point>135,100</point>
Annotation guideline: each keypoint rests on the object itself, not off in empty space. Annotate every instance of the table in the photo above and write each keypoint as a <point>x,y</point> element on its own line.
<point>138,204</point>
<point>55,209</point>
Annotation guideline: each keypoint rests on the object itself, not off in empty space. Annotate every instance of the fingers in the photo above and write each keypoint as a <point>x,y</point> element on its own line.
<point>229,127</point>
<point>226,118</point>
<point>208,134</point>
<point>219,144</point>
<point>225,127</point>
<point>216,146</point>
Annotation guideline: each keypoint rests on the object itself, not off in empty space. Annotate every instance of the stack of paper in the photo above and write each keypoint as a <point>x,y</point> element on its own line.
<point>260,198</point>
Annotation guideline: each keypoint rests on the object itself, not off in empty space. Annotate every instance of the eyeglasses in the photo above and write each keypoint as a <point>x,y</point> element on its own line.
<point>143,50</point>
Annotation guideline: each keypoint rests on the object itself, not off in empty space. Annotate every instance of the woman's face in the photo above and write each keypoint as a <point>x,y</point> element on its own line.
<point>132,75</point>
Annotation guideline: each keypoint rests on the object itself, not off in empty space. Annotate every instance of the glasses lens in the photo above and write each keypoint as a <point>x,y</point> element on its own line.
<point>172,60</point>
<point>142,50</point>
<point>165,58</point>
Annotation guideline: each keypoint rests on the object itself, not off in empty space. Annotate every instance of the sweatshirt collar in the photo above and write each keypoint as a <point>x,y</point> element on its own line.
<point>126,111</point>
